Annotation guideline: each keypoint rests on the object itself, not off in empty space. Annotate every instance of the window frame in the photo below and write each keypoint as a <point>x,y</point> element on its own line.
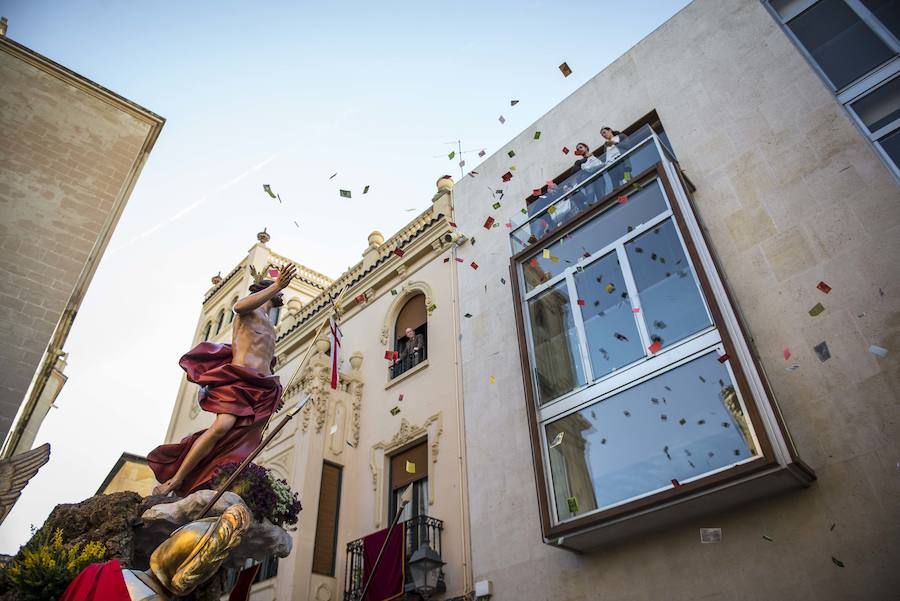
<point>337,517</point>
<point>864,84</point>
<point>707,274</point>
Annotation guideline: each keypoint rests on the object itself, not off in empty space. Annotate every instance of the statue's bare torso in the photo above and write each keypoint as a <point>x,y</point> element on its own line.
<point>253,340</point>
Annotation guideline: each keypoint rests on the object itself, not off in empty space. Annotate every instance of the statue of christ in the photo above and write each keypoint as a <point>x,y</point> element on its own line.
<point>237,385</point>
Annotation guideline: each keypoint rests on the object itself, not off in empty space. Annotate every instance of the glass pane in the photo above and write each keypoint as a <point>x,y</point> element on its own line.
<point>571,203</point>
<point>837,39</point>
<point>612,334</point>
<point>670,300</point>
<point>888,12</point>
<point>613,223</point>
<point>787,8</point>
<point>557,359</point>
<point>881,106</point>
<point>676,426</point>
<point>891,145</point>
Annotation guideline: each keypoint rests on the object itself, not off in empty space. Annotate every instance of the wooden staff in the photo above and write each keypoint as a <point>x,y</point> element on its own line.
<point>290,414</point>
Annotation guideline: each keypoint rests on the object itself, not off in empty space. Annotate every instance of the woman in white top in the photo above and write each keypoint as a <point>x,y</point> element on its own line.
<point>611,140</point>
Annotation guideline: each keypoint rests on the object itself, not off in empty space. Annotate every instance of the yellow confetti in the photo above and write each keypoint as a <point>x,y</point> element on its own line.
<point>410,467</point>
<point>546,253</point>
<point>492,380</point>
<point>554,258</point>
<point>551,210</point>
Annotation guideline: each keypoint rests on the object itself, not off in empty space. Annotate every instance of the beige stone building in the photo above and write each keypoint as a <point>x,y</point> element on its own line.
<point>70,154</point>
<point>130,473</point>
<point>647,355</point>
<point>389,423</point>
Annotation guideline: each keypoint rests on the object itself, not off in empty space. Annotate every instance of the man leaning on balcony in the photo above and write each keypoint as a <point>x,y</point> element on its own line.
<point>412,349</point>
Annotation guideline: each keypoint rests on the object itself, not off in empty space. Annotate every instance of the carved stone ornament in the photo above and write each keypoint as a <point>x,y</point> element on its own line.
<point>431,429</point>
<point>405,292</point>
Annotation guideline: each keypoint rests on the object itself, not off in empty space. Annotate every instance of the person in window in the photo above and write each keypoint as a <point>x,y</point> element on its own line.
<point>412,349</point>
<point>587,165</point>
<point>611,141</point>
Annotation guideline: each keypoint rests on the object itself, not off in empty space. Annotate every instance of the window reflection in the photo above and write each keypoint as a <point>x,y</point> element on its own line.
<point>612,335</point>
<point>677,426</point>
<point>556,356</point>
<point>671,303</point>
<point>613,223</point>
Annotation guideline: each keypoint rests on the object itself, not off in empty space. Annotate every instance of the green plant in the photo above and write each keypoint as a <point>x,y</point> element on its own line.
<point>46,567</point>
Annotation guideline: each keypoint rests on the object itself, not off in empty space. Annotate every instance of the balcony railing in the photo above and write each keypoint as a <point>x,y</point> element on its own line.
<point>420,530</point>
<point>582,189</point>
<point>408,362</point>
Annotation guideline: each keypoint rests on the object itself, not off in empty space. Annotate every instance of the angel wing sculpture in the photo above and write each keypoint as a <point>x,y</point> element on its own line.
<point>15,473</point>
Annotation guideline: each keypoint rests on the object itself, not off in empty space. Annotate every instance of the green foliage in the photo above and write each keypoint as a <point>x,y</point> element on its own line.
<point>46,566</point>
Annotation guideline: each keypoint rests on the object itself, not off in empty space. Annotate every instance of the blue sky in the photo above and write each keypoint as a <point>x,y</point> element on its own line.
<point>286,94</point>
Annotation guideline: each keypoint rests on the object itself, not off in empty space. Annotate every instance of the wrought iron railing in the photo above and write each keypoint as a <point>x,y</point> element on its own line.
<point>406,363</point>
<point>420,530</point>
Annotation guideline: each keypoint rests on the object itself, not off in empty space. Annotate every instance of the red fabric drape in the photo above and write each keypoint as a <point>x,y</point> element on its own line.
<point>391,573</point>
<point>98,582</point>
<point>241,590</point>
<point>225,388</point>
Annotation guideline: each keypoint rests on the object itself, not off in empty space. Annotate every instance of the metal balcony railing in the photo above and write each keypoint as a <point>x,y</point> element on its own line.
<point>419,530</point>
<point>403,365</point>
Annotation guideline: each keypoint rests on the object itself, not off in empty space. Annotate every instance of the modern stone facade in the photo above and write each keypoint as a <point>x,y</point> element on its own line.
<point>788,193</point>
<point>70,155</point>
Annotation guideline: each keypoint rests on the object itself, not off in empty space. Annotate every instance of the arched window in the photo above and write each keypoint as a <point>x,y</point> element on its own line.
<point>411,350</point>
<point>207,331</point>
<point>219,321</point>
<point>231,307</point>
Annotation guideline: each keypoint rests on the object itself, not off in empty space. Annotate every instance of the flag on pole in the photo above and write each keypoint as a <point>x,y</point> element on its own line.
<point>335,351</point>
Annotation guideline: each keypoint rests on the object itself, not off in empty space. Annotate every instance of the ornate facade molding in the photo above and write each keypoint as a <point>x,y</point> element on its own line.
<point>406,291</point>
<point>431,429</point>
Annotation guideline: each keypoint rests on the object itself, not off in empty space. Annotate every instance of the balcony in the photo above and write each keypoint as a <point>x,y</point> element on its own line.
<point>581,189</point>
<point>420,530</point>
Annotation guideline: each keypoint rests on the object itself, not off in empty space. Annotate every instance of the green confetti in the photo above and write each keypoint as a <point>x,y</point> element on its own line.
<point>818,309</point>
<point>268,190</point>
<point>768,538</point>
<point>496,205</point>
<point>537,135</point>
<point>366,190</point>
<point>395,410</point>
<point>837,562</point>
<point>572,503</point>
<point>345,194</point>
<point>451,155</point>
<point>511,153</point>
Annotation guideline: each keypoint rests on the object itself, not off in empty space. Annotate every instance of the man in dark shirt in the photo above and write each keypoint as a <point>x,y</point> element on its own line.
<point>412,349</point>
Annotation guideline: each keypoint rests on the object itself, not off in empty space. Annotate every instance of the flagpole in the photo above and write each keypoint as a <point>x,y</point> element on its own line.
<point>403,503</point>
<point>313,341</point>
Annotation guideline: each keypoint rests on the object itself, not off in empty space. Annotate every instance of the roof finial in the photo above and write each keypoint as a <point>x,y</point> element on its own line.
<point>263,236</point>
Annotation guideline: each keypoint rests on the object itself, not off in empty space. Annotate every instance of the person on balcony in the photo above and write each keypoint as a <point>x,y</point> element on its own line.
<point>412,349</point>
<point>611,141</point>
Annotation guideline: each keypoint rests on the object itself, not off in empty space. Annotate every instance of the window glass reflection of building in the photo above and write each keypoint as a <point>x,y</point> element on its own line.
<point>410,351</point>
<point>624,353</point>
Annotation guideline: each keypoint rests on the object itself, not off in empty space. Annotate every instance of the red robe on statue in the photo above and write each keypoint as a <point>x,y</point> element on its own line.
<point>225,388</point>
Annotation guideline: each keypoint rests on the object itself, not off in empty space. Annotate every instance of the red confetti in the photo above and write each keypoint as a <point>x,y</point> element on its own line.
<point>390,355</point>
<point>636,310</point>
<point>399,252</point>
<point>533,262</point>
<point>724,358</point>
<point>446,259</point>
<point>823,287</point>
<point>273,273</point>
<point>787,353</point>
<point>458,260</point>
<point>581,302</point>
<point>473,265</point>
<point>451,224</point>
<point>536,192</point>
<point>654,348</point>
<point>488,223</point>
<point>622,199</point>
<point>551,185</point>
<point>401,397</point>
<point>675,483</point>
<point>565,150</point>
<point>506,176</point>
<point>361,298</point>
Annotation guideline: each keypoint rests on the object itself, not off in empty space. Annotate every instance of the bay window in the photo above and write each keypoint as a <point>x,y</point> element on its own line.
<point>641,388</point>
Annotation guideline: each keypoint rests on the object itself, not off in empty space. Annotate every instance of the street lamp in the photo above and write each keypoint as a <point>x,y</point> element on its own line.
<point>425,566</point>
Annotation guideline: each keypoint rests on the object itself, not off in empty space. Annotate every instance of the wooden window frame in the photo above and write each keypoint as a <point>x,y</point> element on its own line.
<point>766,460</point>
<point>337,518</point>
